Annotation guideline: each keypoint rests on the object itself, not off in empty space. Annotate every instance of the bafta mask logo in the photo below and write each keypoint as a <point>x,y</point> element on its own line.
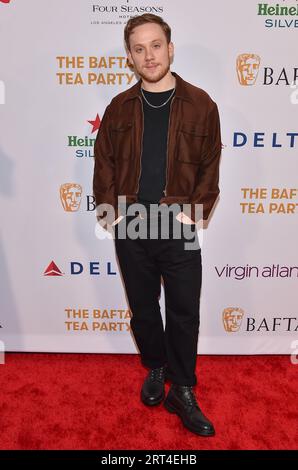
<point>70,195</point>
<point>247,66</point>
<point>232,318</point>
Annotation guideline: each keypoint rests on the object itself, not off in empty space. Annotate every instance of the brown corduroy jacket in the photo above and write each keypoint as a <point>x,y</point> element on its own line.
<point>193,151</point>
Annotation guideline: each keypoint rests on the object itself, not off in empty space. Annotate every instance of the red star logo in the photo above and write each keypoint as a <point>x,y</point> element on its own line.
<point>95,124</point>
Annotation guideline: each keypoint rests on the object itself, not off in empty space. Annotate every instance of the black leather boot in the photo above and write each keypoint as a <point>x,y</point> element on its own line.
<point>182,401</point>
<point>153,390</point>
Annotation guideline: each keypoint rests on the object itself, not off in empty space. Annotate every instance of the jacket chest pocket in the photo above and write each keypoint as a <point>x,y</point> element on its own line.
<point>191,142</point>
<point>121,136</point>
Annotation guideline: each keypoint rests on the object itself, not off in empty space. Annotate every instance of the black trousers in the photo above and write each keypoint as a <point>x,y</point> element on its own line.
<point>142,263</point>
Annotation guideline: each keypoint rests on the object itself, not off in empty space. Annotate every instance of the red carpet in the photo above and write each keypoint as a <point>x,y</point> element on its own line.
<point>89,401</point>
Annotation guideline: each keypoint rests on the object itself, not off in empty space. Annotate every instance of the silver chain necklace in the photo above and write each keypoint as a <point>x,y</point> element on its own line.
<point>160,105</point>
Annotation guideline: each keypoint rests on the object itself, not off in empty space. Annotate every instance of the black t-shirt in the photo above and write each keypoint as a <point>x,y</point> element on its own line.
<point>153,170</point>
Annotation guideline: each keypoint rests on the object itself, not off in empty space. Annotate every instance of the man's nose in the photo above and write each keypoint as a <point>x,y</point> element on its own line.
<point>148,54</point>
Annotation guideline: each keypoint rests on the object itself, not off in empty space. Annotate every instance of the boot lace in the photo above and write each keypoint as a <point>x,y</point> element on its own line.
<point>189,396</point>
<point>157,374</point>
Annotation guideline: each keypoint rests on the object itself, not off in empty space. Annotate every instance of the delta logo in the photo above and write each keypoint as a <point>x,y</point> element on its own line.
<point>260,139</point>
<point>52,270</point>
<point>93,268</point>
<point>82,147</point>
<point>233,321</point>
<point>249,71</point>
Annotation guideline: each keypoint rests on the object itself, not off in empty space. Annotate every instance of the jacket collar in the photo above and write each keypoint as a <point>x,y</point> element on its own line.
<point>181,90</point>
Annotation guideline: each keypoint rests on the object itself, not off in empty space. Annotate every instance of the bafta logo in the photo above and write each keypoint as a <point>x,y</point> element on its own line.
<point>247,66</point>
<point>70,195</point>
<point>232,318</point>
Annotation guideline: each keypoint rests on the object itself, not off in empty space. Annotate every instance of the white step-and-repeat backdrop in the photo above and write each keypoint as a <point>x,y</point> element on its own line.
<point>61,62</point>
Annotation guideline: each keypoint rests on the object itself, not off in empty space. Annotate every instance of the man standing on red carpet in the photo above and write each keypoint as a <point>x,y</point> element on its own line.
<point>159,146</point>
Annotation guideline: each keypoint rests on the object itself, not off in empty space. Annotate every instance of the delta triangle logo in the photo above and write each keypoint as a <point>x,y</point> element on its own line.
<point>52,270</point>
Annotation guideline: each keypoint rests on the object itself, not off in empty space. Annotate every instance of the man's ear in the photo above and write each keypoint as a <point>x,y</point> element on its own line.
<point>129,60</point>
<point>129,57</point>
<point>171,49</point>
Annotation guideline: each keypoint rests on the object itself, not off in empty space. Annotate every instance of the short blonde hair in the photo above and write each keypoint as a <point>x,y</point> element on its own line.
<point>143,19</point>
